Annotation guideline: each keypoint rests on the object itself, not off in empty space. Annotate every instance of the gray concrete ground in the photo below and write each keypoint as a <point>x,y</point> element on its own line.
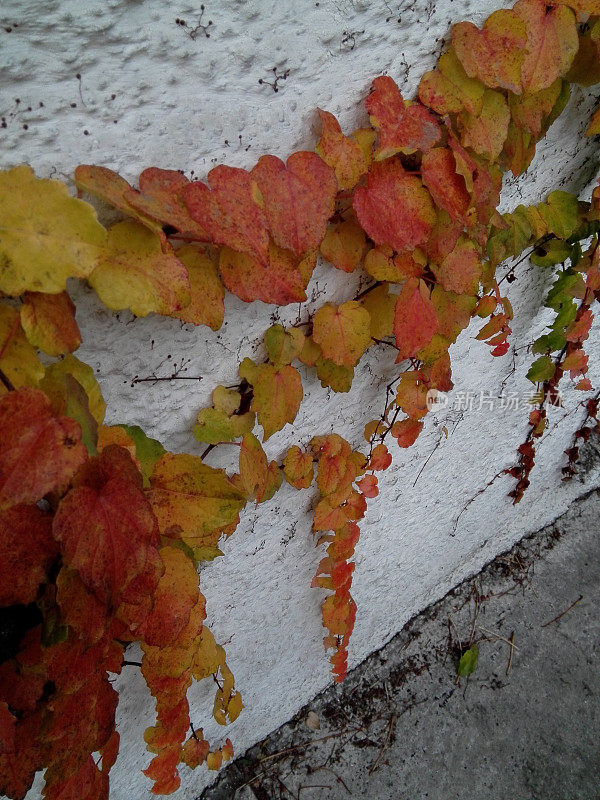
<point>525,725</point>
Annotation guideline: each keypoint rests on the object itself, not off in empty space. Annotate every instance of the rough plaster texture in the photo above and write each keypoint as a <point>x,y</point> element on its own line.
<point>152,92</point>
<point>401,727</point>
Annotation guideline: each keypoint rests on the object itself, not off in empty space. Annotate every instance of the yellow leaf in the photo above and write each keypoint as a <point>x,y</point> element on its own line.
<point>277,393</point>
<point>53,385</point>
<point>134,272</point>
<point>343,245</point>
<point>342,332</point>
<point>18,359</point>
<point>206,290</point>
<point>46,236</point>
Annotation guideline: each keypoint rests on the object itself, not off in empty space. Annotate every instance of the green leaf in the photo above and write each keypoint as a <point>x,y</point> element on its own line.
<point>560,213</point>
<point>468,661</point>
<point>541,370</point>
<point>147,450</point>
<point>549,343</point>
<point>556,251</point>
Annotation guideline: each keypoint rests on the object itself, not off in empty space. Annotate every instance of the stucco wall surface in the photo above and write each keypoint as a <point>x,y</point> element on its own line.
<point>120,83</point>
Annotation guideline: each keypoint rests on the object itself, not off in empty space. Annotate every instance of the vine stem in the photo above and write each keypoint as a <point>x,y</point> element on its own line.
<point>6,381</point>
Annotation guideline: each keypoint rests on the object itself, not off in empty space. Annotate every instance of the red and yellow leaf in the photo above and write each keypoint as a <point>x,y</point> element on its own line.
<point>415,319</point>
<point>342,154</point>
<point>277,394</point>
<point>394,208</point>
<point>298,199</point>
<point>206,306</point>
<point>49,322</point>
<point>40,452</point>
<point>403,127</point>
<point>231,211</point>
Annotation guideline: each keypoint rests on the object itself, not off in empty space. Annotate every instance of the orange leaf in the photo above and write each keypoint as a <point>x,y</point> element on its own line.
<point>49,322</point>
<point>403,127</point>
<point>394,208</point>
<point>460,271</point>
<point>368,486</point>
<point>494,54</point>
<point>40,452</point>
<point>487,132</point>
<point>447,187</point>
<point>342,154</point>
<point>299,198</point>
<point>283,281</point>
<point>160,198</point>
<point>343,245</point>
<point>407,431</point>
<point>415,319</point>
<point>380,458</point>
<point>230,211</point>
<point>552,43</point>
<point>107,530</point>
<point>298,468</point>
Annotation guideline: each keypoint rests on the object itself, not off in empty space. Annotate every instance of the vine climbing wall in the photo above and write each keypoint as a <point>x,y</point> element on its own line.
<point>187,87</point>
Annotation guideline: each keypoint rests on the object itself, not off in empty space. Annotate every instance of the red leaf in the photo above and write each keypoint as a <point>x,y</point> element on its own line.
<point>230,211</point>
<point>107,529</point>
<point>415,320</point>
<point>160,198</point>
<point>40,452</point>
<point>394,207</point>
<point>27,551</point>
<point>299,199</point>
<point>447,187</point>
<point>283,281</point>
<point>407,431</point>
<point>403,127</point>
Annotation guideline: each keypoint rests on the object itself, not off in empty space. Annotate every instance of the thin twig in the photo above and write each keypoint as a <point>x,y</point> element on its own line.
<point>566,611</point>
<point>385,744</point>
<point>312,741</point>
<point>509,642</point>
<point>6,381</point>
<point>510,655</point>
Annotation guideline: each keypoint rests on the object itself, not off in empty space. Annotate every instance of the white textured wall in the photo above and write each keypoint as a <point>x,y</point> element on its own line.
<point>149,94</point>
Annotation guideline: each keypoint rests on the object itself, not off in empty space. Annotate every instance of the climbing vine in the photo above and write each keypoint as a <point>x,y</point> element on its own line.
<point>102,530</point>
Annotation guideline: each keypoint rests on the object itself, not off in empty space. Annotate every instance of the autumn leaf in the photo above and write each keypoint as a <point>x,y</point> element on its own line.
<point>552,42</point>
<point>411,396</point>
<point>173,598</point>
<point>18,359</point>
<point>40,452</point>
<point>27,551</point>
<point>460,271</point>
<point>214,426</point>
<point>342,154</point>
<point>298,199</point>
<point>283,346</point>
<point>49,322</point>
<point>383,265</point>
<point>336,377</point>
<point>394,208</point>
<point>343,245</point>
<point>107,530</point>
<point>487,132</point>
<point>530,110</point>
<point>415,319</point>
<point>283,281</point>
<point>54,386</point>
<point>109,186</point>
<point>206,305</point>
<point>593,128</point>
<point>298,468</point>
<point>342,332</point>
<point>231,211</point>
<point>160,198</point>
<point>380,458</point>
<point>257,479</point>
<point>494,55</point>
<point>447,187</point>
<point>147,450</point>
<point>193,502</point>
<point>407,431</point>
<point>448,89</point>
<point>135,273</point>
<point>277,394</point>
<point>403,127</point>
<point>47,236</point>
<point>380,304</point>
